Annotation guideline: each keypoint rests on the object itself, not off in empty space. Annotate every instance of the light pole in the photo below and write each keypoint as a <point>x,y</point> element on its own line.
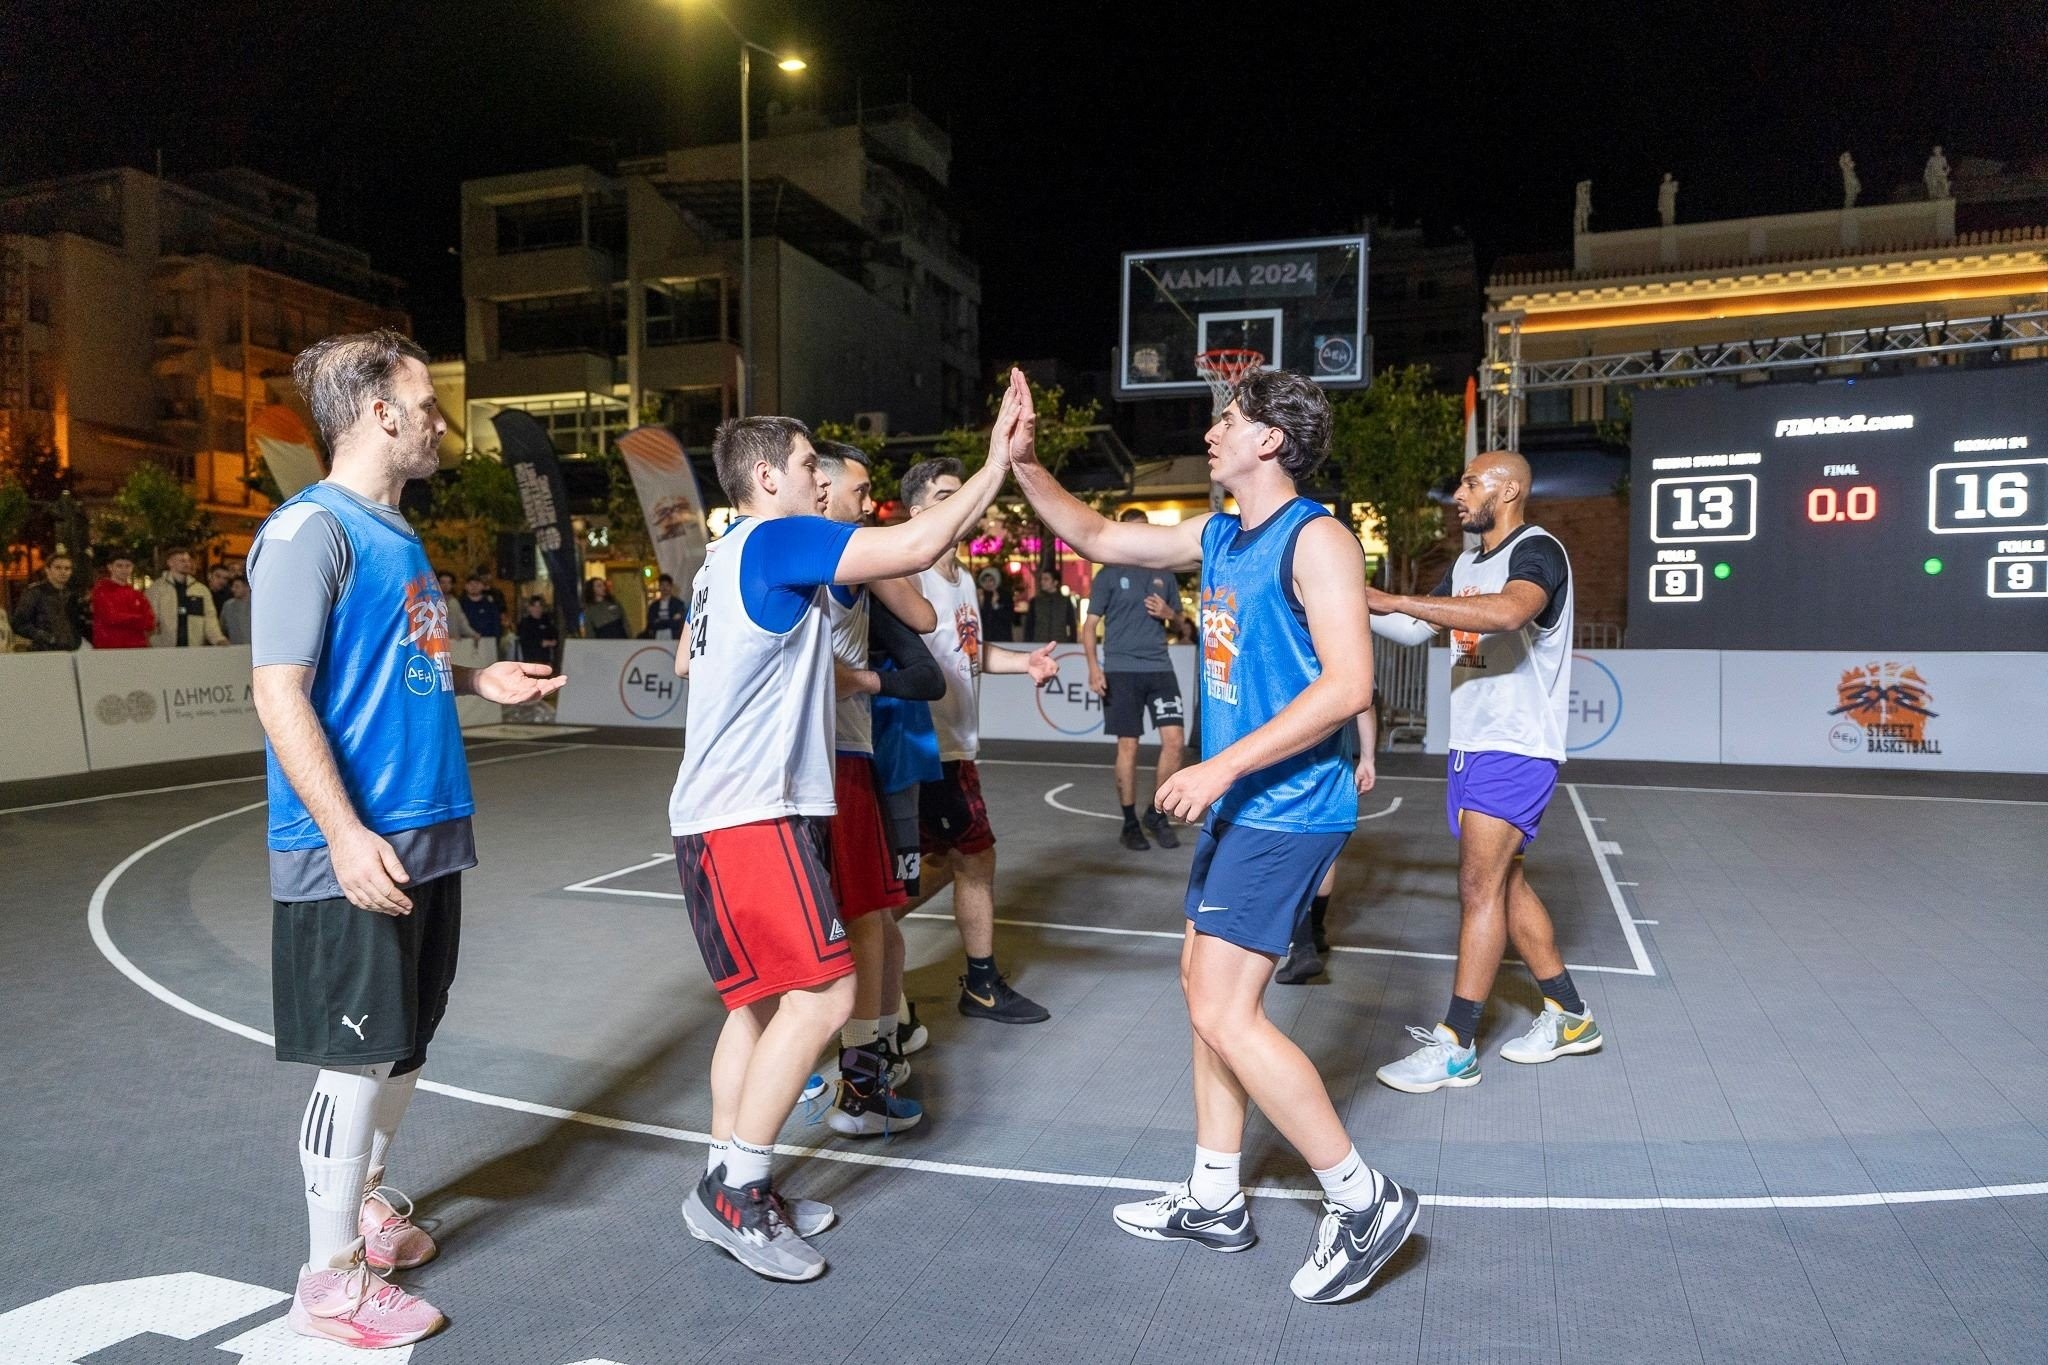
<point>748,48</point>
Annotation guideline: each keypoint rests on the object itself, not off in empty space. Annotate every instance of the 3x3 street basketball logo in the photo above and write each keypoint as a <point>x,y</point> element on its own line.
<point>1885,709</point>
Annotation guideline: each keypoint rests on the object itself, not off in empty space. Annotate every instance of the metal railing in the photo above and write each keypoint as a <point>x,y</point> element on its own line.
<point>1400,681</point>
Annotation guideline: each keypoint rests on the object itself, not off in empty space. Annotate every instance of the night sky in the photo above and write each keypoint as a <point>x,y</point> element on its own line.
<point>1079,130</point>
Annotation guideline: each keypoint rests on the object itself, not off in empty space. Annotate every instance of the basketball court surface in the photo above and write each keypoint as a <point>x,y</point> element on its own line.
<point>1819,1130</point>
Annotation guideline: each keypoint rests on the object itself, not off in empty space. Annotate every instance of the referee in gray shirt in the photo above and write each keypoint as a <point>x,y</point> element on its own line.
<point>1136,681</point>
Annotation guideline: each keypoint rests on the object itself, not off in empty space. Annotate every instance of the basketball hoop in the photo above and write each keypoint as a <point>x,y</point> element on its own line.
<point>1222,368</point>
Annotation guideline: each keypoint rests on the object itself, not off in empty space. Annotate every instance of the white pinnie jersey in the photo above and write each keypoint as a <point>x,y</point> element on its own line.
<point>757,739</point>
<point>956,643</point>
<point>1510,689</point>
<point>854,717</point>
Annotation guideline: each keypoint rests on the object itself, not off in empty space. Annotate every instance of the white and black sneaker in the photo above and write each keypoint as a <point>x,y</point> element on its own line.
<point>1352,1244</point>
<point>752,1226</point>
<point>1175,1216</point>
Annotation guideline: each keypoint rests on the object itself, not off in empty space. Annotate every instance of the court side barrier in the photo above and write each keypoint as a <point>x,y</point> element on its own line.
<point>116,708</point>
<point>1946,712</point>
<point>621,682</point>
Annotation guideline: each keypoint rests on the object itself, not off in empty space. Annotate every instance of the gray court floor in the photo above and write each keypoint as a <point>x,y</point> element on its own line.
<point>1819,1130</point>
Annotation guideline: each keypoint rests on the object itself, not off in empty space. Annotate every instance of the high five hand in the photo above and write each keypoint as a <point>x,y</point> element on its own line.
<point>1023,441</point>
<point>1002,437</point>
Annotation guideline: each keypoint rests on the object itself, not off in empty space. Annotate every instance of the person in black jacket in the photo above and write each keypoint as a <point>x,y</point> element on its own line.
<point>539,640</point>
<point>50,616</point>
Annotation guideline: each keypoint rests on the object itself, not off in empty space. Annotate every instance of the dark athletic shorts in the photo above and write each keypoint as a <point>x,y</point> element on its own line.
<point>761,906</point>
<point>1249,886</point>
<point>906,840</point>
<point>354,987</point>
<point>951,810</point>
<point>863,867</point>
<point>1135,697</point>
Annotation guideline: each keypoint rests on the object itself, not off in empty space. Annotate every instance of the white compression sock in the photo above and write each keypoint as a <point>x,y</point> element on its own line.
<point>392,1098</point>
<point>860,1033</point>
<point>745,1163</point>
<point>334,1155</point>
<point>1350,1184</point>
<point>1215,1183</point>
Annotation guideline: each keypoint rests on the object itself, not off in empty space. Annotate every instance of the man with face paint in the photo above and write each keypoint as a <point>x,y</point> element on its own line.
<point>1507,602</point>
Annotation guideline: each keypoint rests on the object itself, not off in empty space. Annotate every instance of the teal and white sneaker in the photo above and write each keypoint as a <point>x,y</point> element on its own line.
<point>1554,1034</point>
<point>1437,1063</point>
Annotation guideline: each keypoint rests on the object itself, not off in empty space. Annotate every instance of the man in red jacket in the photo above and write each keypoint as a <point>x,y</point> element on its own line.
<point>121,616</point>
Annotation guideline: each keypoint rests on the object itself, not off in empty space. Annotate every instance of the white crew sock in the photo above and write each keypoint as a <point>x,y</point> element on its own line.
<point>392,1098</point>
<point>714,1156</point>
<point>860,1033</point>
<point>1350,1184</point>
<point>1215,1182</point>
<point>745,1163</point>
<point>902,1005</point>
<point>886,1026</point>
<point>334,1156</point>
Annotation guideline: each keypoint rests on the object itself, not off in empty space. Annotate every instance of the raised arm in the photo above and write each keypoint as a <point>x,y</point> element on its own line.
<point>1095,536</point>
<point>878,552</point>
<point>1329,580</point>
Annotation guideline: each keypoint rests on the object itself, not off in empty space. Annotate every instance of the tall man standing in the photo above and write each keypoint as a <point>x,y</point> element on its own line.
<point>958,844</point>
<point>184,607</point>
<point>50,614</point>
<point>756,776</point>
<point>1507,602</point>
<point>1135,680</point>
<point>369,816</point>
<point>1287,663</point>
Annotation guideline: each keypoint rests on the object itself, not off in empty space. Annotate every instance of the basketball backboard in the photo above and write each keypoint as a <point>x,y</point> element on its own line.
<point>1301,304</point>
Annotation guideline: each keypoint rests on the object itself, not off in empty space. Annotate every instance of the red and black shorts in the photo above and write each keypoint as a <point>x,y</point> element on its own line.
<point>952,813</point>
<point>863,867</point>
<point>762,908</point>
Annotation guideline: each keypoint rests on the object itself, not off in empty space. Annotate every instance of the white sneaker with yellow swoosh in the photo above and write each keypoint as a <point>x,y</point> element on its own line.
<point>1554,1034</point>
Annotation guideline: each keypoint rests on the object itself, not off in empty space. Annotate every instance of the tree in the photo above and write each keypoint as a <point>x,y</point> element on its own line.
<point>471,506</point>
<point>152,512</point>
<point>35,468</point>
<point>14,515</point>
<point>624,511</point>
<point>1392,445</point>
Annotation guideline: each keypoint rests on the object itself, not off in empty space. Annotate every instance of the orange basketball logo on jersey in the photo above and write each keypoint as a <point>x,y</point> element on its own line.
<point>429,668</point>
<point>1219,643</point>
<point>967,624</point>
<point>1892,704</point>
<point>1465,643</point>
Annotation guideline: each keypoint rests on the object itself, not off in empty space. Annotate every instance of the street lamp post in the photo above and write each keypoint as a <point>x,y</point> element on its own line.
<point>787,63</point>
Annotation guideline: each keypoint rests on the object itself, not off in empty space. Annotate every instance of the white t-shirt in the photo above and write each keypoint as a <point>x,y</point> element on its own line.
<point>855,719</point>
<point>956,643</point>
<point>1510,690</point>
<point>758,735</point>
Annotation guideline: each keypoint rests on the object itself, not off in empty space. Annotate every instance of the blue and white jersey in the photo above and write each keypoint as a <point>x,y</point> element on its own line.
<point>1256,658</point>
<point>384,688</point>
<point>758,733</point>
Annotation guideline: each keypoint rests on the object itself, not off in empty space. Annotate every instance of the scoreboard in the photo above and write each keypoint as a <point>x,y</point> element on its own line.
<point>1899,513</point>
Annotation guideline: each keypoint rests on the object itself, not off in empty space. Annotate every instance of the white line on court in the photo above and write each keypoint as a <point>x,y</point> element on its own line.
<point>96,921</point>
<point>1601,849</point>
<point>596,883</point>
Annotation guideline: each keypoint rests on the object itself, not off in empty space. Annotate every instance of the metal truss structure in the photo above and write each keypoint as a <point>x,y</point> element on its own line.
<point>1509,377</point>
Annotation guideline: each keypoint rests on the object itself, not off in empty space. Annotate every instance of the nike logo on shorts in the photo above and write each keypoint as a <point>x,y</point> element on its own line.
<point>1202,909</point>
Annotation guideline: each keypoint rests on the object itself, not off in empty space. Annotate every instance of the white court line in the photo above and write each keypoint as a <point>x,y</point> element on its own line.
<point>1600,849</point>
<point>594,883</point>
<point>253,777</point>
<point>1841,796</point>
<point>96,921</point>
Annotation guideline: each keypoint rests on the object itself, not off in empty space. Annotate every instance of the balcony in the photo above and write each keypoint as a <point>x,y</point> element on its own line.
<point>181,410</point>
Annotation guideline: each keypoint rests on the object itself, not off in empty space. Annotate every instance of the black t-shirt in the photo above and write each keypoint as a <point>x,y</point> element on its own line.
<point>1533,559</point>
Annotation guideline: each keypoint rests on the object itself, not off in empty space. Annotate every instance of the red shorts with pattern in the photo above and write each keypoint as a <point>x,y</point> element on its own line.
<point>762,908</point>
<point>863,867</point>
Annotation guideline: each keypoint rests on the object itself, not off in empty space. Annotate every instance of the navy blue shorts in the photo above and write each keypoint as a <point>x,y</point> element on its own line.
<point>1510,787</point>
<point>1249,886</point>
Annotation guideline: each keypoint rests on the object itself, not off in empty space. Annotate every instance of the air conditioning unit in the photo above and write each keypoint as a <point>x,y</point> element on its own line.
<point>871,423</point>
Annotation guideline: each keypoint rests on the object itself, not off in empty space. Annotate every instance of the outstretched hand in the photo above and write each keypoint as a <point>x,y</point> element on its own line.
<point>512,683</point>
<point>1041,666</point>
<point>1022,446</point>
<point>1002,437</point>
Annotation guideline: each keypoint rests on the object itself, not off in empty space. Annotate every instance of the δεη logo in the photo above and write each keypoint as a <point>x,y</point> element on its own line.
<point>648,686</point>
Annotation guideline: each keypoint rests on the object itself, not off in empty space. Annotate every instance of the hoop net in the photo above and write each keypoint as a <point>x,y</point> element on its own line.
<point>1222,368</point>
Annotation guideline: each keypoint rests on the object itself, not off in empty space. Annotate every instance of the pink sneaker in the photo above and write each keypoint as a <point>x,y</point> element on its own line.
<point>390,1239</point>
<point>350,1304</point>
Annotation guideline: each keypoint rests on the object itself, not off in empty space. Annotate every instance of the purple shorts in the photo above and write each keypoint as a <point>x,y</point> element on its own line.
<point>1510,787</point>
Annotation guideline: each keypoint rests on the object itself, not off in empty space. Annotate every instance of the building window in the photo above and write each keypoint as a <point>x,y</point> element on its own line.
<point>540,224</point>
<point>696,413</point>
<point>686,310</point>
<point>561,322</point>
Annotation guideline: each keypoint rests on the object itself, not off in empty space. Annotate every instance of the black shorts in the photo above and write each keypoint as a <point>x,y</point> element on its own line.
<point>352,987</point>
<point>951,810</point>
<point>1135,696</point>
<point>906,838</point>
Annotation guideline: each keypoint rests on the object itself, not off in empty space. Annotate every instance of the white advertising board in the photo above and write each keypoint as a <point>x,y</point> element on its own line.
<point>621,682</point>
<point>1012,707</point>
<point>160,705</point>
<point>1656,704</point>
<point>475,654</point>
<point>44,734</point>
<point>1880,709</point>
